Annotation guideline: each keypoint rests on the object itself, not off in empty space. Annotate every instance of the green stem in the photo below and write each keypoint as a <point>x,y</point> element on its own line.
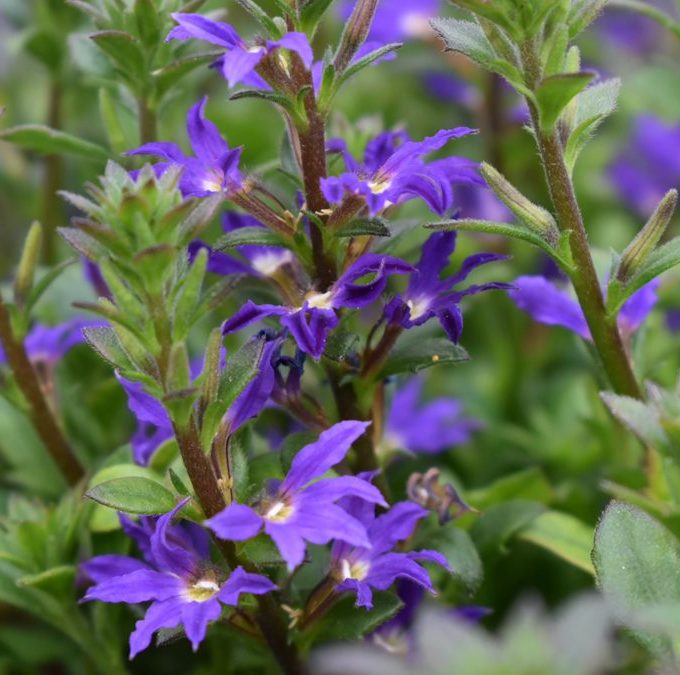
<point>148,124</point>
<point>603,329</point>
<point>39,410</point>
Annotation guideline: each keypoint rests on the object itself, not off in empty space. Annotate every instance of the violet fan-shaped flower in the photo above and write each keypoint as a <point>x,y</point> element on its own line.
<point>240,59</point>
<point>302,509</point>
<point>398,20</point>
<point>213,168</point>
<point>546,302</point>
<point>176,577</point>
<point>426,428</point>
<point>312,321</point>
<point>394,171</point>
<point>360,569</point>
<point>429,296</point>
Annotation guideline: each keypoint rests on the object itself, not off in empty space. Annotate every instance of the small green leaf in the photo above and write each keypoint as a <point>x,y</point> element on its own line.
<point>554,94</point>
<point>311,13</point>
<point>371,227</point>
<point>638,565</point>
<point>347,622</point>
<point>104,341</point>
<point>57,581</point>
<point>417,355</point>
<point>365,61</point>
<point>641,418</point>
<point>564,535</point>
<point>133,495</point>
<point>125,52</point>
<point>527,484</point>
<point>515,230</point>
<point>168,76</point>
<point>44,140</point>
<point>249,236</point>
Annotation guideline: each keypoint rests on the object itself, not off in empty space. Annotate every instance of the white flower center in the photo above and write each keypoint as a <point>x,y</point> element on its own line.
<point>357,570</point>
<point>255,49</point>
<point>267,263</point>
<point>213,182</point>
<point>202,590</point>
<point>320,300</point>
<point>278,512</point>
<point>380,185</point>
<point>418,307</point>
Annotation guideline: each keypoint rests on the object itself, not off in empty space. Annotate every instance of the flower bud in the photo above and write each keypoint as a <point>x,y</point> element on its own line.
<point>23,281</point>
<point>355,33</point>
<point>647,239</point>
<point>532,215</point>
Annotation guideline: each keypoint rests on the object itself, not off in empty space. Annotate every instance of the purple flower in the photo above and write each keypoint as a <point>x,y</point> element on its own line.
<point>240,59</point>
<point>649,166</point>
<point>547,303</point>
<point>154,426</point>
<point>425,428</point>
<point>298,510</point>
<point>176,577</point>
<point>630,31</point>
<point>312,321</point>
<point>394,171</point>
<point>429,296</point>
<point>258,261</point>
<point>398,20</point>
<point>360,568</point>
<point>46,345</point>
<point>212,168</point>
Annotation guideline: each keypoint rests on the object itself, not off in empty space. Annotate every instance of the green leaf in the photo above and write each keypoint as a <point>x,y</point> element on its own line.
<point>593,106</point>
<point>133,495</point>
<point>347,622</point>
<point>416,355</point>
<point>365,61</point>
<point>527,484</point>
<point>638,565</point>
<point>564,535</point>
<point>643,419</point>
<point>372,227</point>
<point>495,527</point>
<point>168,76</point>
<point>554,94</point>
<point>104,341</point>
<point>148,24</point>
<point>125,52</point>
<point>515,230</point>
<point>247,236</point>
<point>311,14</point>
<point>582,13</point>
<point>44,140</point>
<point>260,16</point>
<point>660,260</point>
<point>56,581</point>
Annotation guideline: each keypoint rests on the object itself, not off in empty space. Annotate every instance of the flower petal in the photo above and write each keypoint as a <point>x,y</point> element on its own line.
<point>139,586</point>
<point>201,28</point>
<point>196,616</point>
<point>240,582</point>
<point>237,522</point>
<point>166,614</point>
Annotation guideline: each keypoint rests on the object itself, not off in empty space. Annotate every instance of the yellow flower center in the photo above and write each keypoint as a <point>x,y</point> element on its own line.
<point>418,307</point>
<point>203,589</point>
<point>380,185</point>
<point>357,570</point>
<point>320,300</point>
<point>278,512</point>
<point>213,182</point>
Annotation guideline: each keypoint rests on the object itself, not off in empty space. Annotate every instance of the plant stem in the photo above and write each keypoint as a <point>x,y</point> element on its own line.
<point>39,410</point>
<point>148,124</point>
<point>604,330</point>
<point>204,482</point>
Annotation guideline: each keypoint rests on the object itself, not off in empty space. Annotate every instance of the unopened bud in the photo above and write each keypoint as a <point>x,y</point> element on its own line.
<point>532,215</point>
<point>23,281</point>
<point>212,367</point>
<point>355,33</point>
<point>426,490</point>
<point>649,236</point>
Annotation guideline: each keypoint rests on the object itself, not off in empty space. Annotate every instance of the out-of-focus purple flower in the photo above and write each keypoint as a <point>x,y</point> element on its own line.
<point>176,577</point>
<point>429,428</point>
<point>429,296</point>
<point>298,510</point>
<point>394,171</point>
<point>240,59</point>
<point>547,303</point>
<point>259,261</point>
<point>450,88</point>
<point>649,166</point>
<point>360,569</point>
<point>479,202</point>
<point>311,322</point>
<point>212,168</point>
<point>154,426</point>
<point>673,320</point>
<point>46,345</point>
<point>398,20</point>
<point>630,31</point>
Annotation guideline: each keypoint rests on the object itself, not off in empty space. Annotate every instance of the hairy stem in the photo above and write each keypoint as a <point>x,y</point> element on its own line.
<point>39,410</point>
<point>604,330</point>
